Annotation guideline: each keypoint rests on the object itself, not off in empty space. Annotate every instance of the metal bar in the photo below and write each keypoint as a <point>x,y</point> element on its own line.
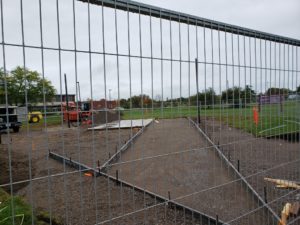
<point>223,157</point>
<point>138,57</point>
<point>130,93</point>
<point>145,9</point>
<point>122,149</point>
<point>9,146</point>
<point>171,203</point>
<point>197,86</point>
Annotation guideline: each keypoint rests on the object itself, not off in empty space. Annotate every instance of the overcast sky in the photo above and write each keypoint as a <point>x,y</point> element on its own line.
<point>273,16</point>
<point>169,80</point>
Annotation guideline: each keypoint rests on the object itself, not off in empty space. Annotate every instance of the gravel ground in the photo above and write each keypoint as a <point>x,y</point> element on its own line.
<point>177,162</point>
<point>71,196</point>
<point>259,158</point>
<point>172,159</point>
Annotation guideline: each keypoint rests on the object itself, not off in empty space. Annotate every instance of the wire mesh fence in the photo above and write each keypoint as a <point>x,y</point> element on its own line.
<point>117,112</point>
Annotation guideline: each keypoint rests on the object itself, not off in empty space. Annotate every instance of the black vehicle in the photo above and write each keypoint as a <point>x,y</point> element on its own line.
<point>12,122</point>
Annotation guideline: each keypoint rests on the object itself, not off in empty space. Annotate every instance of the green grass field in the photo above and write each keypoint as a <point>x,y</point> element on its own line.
<point>51,120</point>
<point>272,121</point>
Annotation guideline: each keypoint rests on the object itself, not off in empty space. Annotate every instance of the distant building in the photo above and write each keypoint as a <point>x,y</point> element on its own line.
<point>270,99</point>
<point>294,97</point>
<point>102,104</point>
<point>57,98</point>
<point>54,105</point>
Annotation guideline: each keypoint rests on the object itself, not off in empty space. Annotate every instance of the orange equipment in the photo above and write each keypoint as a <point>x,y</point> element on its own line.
<point>74,114</point>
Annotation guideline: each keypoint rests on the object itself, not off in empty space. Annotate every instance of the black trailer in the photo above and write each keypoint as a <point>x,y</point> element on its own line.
<point>9,118</point>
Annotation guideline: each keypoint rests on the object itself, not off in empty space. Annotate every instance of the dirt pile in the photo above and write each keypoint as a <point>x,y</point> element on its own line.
<point>100,117</point>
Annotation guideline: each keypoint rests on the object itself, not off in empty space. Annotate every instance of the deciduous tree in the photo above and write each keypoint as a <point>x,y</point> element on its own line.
<point>22,83</point>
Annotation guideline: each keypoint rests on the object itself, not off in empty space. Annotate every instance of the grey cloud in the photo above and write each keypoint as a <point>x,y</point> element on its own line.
<point>278,17</point>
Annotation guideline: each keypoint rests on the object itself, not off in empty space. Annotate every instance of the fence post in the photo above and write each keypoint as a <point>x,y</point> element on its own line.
<point>198,106</point>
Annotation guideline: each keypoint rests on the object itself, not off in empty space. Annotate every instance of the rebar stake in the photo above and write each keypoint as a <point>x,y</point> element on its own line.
<point>265,194</point>
<point>117,177</point>
<point>99,167</point>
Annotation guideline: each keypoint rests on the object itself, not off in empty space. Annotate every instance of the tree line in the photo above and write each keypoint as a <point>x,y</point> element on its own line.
<point>21,81</point>
<point>235,97</point>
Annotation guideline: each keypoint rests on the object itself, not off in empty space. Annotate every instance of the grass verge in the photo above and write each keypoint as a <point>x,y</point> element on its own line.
<point>22,212</point>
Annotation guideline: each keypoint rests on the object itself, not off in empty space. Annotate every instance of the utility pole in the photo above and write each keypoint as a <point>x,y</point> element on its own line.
<point>79,96</point>
<point>110,104</point>
<point>197,85</point>
<point>67,101</point>
<point>109,94</point>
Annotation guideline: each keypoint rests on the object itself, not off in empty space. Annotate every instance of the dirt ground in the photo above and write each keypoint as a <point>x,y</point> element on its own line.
<point>172,158</point>
<point>259,158</point>
<point>20,171</point>
<point>68,194</point>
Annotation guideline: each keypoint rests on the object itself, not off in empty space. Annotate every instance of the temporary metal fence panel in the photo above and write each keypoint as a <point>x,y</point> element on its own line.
<point>223,144</point>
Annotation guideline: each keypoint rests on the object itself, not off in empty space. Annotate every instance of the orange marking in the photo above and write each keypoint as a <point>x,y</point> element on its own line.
<point>88,174</point>
<point>255,115</point>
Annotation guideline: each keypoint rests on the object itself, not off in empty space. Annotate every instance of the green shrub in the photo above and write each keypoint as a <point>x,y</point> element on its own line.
<point>14,206</point>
